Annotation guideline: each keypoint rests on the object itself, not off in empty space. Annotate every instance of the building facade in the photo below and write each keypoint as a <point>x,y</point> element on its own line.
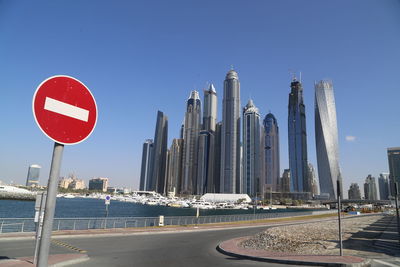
<point>354,191</point>
<point>175,166</point>
<point>159,156</point>
<point>251,150</point>
<point>32,179</point>
<point>205,169</point>
<point>370,191</point>
<point>100,184</point>
<point>297,135</point>
<point>217,159</point>
<point>326,138</point>
<point>145,171</point>
<point>384,186</point>
<point>394,168</point>
<point>206,152</point>
<point>210,109</point>
<point>313,179</point>
<point>285,181</point>
<point>271,152</point>
<point>190,148</point>
<point>230,178</point>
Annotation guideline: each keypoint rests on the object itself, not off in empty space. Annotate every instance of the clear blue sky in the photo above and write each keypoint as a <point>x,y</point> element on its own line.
<point>138,57</point>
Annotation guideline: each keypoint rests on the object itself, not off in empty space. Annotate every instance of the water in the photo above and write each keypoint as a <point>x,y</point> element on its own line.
<point>86,207</point>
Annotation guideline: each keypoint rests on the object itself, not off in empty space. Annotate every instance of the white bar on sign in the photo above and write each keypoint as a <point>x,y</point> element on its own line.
<point>66,109</point>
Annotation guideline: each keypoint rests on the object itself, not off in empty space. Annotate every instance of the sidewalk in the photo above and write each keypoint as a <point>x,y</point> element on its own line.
<point>56,260</point>
<point>165,229</point>
<point>377,241</point>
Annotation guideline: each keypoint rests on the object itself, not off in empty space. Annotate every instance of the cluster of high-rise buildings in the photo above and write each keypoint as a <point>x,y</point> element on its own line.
<point>240,154</point>
<point>372,190</point>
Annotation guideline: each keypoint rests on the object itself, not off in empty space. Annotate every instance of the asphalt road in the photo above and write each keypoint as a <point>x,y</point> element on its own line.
<point>189,249</point>
<point>167,249</point>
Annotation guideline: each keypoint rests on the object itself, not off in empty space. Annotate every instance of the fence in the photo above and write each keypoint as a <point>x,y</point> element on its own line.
<point>8,225</point>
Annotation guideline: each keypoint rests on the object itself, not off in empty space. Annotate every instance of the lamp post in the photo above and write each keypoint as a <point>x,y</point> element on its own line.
<point>339,216</point>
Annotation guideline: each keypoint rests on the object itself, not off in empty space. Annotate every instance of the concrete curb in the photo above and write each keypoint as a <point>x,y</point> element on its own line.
<point>226,248</point>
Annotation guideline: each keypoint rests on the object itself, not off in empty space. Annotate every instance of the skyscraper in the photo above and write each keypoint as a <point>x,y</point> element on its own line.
<point>146,164</point>
<point>190,147</point>
<point>297,139</point>
<point>312,179</point>
<point>217,159</point>
<point>326,138</point>
<point>251,149</point>
<point>271,152</point>
<point>370,192</point>
<point>384,187</point>
<point>285,181</point>
<point>210,109</point>
<point>354,191</point>
<point>159,155</point>
<point>230,180</point>
<point>206,151</point>
<point>175,166</point>
<point>394,168</point>
<point>205,163</point>
<point>32,179</point>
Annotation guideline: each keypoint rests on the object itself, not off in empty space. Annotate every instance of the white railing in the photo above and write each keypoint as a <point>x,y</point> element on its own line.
<point>8,225</point>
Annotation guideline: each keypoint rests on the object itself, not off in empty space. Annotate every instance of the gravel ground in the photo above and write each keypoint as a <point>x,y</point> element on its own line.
<point>312,238</point>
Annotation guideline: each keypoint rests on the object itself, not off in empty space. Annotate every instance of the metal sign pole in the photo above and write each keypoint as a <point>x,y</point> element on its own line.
<point>52,185</point>
<point>39,226</point>
<point>339,217</point>
<point>396,198</point>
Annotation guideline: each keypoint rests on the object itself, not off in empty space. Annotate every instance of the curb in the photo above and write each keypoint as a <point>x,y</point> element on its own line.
<point>282,260</point>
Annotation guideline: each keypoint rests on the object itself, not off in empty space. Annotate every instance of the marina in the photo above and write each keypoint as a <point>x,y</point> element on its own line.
<point>95,207</point>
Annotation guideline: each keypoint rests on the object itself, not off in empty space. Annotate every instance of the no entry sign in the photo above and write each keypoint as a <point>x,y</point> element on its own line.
<point>64,109</point>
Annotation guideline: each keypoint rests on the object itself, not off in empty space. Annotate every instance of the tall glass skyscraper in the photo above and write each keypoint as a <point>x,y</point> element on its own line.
<point>297,139</point>
<point>174,175</point>
<point>384,187</point>
<point>217,159</point>
<point>251,149</point>
<point>326,138</point>
<point>394,168</point>
<point>146,164</point>
<point>32,178</point>
<point>159,157</point>
<point>210,109</point>
<point>370,191</point>
<point>206,151</point>
<point>190,147</point>
<point>230,180</point>
<point>271,152</point>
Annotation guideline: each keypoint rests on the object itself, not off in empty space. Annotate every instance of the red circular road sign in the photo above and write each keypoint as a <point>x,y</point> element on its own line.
<point>65,109</point>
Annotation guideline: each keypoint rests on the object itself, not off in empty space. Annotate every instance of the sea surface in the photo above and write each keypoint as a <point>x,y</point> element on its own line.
<point>86,207</point>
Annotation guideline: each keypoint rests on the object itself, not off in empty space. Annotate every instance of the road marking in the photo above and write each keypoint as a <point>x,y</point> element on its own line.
<point>62,244</point>
<point>385,263</point>
<point>66,109</point>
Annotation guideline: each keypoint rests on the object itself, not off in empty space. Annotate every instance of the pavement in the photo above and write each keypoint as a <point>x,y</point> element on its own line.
<point>55,260</point>
<point>375,245</point>
<point>182,246</point>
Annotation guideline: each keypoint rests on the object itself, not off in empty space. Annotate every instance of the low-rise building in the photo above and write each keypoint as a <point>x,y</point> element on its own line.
<point>100,184</point>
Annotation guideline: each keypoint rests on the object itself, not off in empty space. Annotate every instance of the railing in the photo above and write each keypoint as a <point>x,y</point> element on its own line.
<point>8,225</point>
